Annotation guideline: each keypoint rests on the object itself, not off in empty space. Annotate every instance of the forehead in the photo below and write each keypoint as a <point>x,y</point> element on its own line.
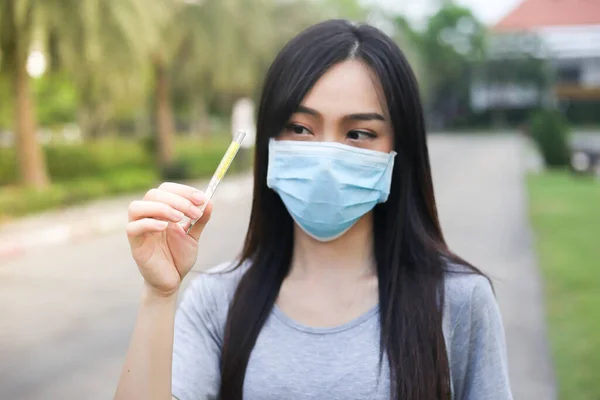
<point>348,87</point>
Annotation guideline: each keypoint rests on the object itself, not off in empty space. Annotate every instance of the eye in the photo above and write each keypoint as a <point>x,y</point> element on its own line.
<point>297,129</point>
<point>361,135</point>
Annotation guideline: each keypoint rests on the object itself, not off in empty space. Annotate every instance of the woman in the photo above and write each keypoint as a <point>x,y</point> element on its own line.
<point>345,288</point>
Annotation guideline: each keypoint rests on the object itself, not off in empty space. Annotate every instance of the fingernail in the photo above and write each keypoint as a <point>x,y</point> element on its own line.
<point>198,197</point>
<point>177,215</point>
<point>161,224</point>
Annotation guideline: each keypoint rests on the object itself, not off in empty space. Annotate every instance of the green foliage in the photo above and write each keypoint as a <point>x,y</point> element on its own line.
<point>5,101</point>
<point>239,51</point>
<point>409,42</point>
<point>444,54</point>
<point>56,99</point>
<point>347,9</point>
<point>453,39</point>
<point>201,158</point>
<point>101,57</point>
<point>130,179</point>
<point>525,69</point>
<point>109,167</point>
<point>175,171</point>
<point>583,112</point>
<point>8,166</point>
<point>109,157</point>
<point>193,156</point>
<point>549,130</point>
<point>565,217</point>
<point>100,52</point>
<point>15,202</point>
<point>67,162</point>
<point>106,49</point>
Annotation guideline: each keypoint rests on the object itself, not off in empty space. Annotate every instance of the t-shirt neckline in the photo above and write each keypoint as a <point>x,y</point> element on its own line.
<point>284,318</point>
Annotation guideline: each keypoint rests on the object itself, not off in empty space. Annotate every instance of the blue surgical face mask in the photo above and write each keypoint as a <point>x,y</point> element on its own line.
<point>327,187</point>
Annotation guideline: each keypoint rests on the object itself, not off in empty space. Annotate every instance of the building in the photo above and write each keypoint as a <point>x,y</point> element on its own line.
<point>568,37</point>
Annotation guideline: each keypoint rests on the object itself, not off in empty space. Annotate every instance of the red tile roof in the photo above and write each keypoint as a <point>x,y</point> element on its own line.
<point>532,14</point>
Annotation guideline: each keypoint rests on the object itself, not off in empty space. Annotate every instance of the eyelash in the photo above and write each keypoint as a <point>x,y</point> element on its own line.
<point>292,127</point>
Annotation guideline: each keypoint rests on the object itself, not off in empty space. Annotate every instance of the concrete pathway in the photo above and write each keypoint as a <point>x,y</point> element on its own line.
<point>482,200</point>
<point>68,306</point>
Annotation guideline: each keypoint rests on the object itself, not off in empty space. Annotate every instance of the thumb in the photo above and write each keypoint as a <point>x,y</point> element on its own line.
<point>198,227</point>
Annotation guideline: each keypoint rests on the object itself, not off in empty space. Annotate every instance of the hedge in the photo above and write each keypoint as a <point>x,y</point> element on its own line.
<point>84,172</point>
<point>550,131</point>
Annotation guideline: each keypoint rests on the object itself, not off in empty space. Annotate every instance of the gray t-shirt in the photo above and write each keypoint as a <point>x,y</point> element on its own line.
<point>293,361</point>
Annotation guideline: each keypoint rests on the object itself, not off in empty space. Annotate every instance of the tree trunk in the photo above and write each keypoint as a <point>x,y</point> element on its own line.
<point>164,116</point>
<point>31,160</point>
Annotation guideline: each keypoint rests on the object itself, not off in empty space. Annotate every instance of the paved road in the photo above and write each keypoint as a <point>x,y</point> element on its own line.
<point>67,312</point>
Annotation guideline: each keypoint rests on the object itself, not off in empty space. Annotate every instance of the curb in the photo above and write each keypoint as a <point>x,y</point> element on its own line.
<point>61,234</point>
<point>87,227</point>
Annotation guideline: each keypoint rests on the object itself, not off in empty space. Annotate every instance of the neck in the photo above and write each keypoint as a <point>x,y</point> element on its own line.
<point>350,255</point>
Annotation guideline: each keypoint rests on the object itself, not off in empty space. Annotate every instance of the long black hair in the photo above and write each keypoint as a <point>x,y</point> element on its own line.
<point>410,251</point>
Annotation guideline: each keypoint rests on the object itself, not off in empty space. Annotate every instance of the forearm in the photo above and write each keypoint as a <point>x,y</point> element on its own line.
<point>147,370</point>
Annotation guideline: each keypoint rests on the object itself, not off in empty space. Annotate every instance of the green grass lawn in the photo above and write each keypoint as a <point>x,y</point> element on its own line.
<point>566,219</point>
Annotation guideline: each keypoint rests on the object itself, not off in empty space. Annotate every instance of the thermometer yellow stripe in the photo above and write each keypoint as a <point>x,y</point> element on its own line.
<point>220,172</point>
<point>227,159</point>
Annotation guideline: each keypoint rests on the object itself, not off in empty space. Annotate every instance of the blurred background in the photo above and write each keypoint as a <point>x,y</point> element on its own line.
<point>101,100</point>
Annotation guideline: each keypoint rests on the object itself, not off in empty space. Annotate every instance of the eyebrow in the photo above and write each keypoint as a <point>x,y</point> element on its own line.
<point>352,117</point>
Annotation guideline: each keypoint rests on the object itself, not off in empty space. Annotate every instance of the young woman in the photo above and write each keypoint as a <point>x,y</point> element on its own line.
<point>345,288</point>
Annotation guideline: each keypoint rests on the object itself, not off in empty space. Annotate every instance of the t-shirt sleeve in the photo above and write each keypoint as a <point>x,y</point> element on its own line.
<point>479,348</point>
<point>197,344</point>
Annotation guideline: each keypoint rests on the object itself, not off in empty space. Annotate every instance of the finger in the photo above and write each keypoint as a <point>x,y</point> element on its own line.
<point>192,194</point>
<point>153,209</point>
<point>198,227</point>
<point>144,226</point>
<point>176,201</point>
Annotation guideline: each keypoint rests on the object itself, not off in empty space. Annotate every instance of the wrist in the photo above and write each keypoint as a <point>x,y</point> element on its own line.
<point>153,295</point>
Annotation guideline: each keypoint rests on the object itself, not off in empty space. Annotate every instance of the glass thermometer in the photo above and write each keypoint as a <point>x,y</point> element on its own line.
<point>217,177</point>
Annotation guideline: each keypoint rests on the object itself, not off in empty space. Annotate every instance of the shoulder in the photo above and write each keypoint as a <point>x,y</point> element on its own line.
<point>462,285</point>
<point>212,290</point>
<point>475,338</point>
<point>222,278</point>
<point>199,330</point>
<point>467,295</point>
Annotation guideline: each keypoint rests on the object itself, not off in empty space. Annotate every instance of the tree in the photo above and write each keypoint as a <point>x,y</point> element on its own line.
<point>453,40</point>
<point>409,40</point>
<point>348,9</point>
<point>100,43</point>
<point>217,50</point>
<point>105,48</point>
<point>212,47</point>
<point>174,31</point>
<point>19,21</point>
